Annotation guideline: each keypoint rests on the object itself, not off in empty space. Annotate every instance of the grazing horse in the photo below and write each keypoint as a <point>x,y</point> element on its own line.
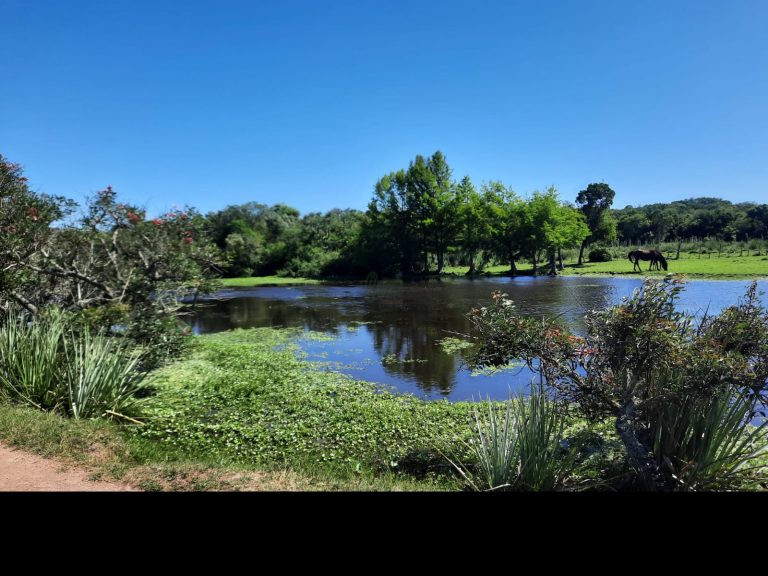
<point>654,256</point>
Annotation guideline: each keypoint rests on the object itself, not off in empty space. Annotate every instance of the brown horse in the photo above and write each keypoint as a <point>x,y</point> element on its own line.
<point>656,258</point>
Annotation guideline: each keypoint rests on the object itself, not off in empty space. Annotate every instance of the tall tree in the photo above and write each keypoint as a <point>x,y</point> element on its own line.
<point>509,222</point>
<point>475,223</point>
<point>434,206</point>
<point>555,225</point>
<point>594,202</point>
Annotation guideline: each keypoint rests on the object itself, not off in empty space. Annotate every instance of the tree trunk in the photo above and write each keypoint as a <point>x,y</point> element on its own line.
<point>471,264</point>
<point>535,263</point>
<point>552,263</point>
<point>640,456</point>
<point>581,253</point>
<point>560,260</point>
<point>679,242</point>
<point>512,266</point>
<point>440,262</point>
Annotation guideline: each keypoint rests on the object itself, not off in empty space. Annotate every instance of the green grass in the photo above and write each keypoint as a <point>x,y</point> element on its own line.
<point>690,265</point>
<point>724,267</point>
<point>243,412</point>
<point>244,397</point>
<point>266,281</point>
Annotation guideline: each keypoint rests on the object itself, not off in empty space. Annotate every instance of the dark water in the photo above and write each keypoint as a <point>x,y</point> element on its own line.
<point>389,334</point>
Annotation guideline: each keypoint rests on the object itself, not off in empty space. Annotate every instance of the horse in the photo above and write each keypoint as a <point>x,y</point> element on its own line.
<point>656,258</point>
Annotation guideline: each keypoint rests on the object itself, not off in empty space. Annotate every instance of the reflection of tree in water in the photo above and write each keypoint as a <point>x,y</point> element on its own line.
<point>406,325</point>
<point>410,332</point>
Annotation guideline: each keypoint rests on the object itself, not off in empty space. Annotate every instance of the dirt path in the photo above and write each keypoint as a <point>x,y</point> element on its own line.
<point>24,472</point>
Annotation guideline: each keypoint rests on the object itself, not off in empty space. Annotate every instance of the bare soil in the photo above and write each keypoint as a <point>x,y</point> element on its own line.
<point>24,472</point>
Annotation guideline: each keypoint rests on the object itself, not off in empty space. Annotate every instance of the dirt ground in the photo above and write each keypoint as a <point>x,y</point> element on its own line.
<point>24,472</point>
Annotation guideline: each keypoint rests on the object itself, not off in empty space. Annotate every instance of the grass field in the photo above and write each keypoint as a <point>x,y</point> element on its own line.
<point>691,265</point>
<point>250,281</point>
<point>724,267</point>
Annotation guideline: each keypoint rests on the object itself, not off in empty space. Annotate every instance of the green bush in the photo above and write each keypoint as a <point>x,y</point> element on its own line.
<point>682,391</point>
<point>599,255</point>
<point>46,363</point>
<point>519,450</point>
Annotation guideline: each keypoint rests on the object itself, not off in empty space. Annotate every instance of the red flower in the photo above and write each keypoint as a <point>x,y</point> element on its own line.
<point>133,217</point>
<point>188,240</point>
<point>32,213</point>
<point>157,222</point>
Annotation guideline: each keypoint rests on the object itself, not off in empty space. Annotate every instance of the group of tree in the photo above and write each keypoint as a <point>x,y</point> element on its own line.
<point>418,217</point>
<point>693,219</point>
<point>419,221</point>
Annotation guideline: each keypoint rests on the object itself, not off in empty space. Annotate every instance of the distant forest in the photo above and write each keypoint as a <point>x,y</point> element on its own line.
<point>420,220</point>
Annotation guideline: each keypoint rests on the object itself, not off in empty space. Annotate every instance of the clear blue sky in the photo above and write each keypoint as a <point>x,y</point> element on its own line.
<point>309,102</point>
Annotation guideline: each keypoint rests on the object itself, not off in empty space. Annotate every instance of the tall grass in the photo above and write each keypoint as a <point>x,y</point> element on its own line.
<point>99,376</point>
<point>519,448</point>
<point>709,444</point>
<point>30,359</point>
<point>48,365</point>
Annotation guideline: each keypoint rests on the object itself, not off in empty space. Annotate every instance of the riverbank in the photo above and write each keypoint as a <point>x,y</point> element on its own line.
<point>242,412</point>
<point>703,268</point>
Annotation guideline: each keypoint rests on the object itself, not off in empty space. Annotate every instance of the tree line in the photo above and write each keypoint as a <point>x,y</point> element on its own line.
<point>419,220</point>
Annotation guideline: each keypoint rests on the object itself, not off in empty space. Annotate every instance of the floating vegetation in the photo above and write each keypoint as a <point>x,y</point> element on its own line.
<point>453,345</point>
<point>391,359</point>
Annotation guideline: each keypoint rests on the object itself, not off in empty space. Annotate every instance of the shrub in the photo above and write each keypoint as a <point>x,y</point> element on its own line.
<point>46,363</point>
<point>682,392</point>
<point>599,255</point>
<point>521,449</point>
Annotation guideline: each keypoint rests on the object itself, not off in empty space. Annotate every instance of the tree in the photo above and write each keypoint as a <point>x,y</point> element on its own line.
<point>391,215</point>
<point>434,206</point>
<point>418,209</point>
<point>509,223</point>
<point>595,202</point>
<point>682,392</point>
<point>555,225</point>
<point>25,233</point>
<point>112,266</point>
<point>633,225</point>
<point>474,219</point>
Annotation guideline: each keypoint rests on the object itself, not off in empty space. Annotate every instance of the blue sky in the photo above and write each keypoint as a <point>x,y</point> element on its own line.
<point>309,102</point>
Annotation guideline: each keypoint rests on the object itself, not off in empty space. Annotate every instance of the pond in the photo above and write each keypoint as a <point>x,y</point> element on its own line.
<point>390,333</point>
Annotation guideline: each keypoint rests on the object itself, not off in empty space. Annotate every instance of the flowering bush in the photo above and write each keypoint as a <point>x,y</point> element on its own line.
<point>660,373</point>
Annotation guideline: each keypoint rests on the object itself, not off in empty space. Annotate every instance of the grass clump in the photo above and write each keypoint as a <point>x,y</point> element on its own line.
<point>46,363</point>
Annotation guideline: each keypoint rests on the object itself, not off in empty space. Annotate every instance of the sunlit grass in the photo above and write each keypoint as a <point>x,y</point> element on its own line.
<point>251,281</point>
<point>692,265</point>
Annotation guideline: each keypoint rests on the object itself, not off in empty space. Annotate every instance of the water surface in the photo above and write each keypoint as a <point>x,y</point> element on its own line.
<point>390,333</point>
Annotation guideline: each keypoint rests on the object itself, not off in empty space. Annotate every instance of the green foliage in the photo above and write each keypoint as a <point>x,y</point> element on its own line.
<point>696,218</point>
<point>46,363</point>
<point>25,229</point>
<point>521,449</point>
<point>100,376</point>
<point>708,443</point>
<point>244,396</point>
<point>652,368</point>
<point>30,359</point>
<point>599,255</point>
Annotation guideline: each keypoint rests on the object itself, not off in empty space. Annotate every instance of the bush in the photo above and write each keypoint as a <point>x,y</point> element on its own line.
<point>682,393</point>
<point>521,450</point>
<point>599,255</point>
<point>46,363</point>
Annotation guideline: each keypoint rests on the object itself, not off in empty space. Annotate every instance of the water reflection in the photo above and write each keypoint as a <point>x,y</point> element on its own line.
<point>390,334</point>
